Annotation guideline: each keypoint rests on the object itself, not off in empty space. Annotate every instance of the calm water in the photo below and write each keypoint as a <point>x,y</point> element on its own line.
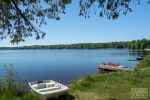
<point>62,65</point>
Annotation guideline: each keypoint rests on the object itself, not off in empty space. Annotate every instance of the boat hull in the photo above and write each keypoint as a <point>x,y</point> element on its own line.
<point>139,58</point>
<point>107,68</point>
<point>49,92</point>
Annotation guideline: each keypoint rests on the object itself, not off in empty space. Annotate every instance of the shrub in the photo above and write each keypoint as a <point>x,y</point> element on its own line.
<point>144,63</point>
<point>10,89</point>
<point>9,80</point>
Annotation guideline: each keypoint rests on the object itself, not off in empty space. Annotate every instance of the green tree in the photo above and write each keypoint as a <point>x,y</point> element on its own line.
<point>17,16</point>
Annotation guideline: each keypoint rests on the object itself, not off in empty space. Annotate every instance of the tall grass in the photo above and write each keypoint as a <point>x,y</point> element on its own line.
<point>144,63</point>
<point>10,89</point>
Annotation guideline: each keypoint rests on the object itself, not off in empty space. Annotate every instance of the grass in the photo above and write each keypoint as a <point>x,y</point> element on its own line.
<point>111,86</point>
<point>144,63</point>
<point>10,89</point>
<point>12,95</point>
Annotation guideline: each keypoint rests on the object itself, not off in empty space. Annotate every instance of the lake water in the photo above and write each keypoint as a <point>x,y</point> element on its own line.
<point>62,65</point>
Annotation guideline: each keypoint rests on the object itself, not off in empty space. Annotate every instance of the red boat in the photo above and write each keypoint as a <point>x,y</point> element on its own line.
<point>109,67</point>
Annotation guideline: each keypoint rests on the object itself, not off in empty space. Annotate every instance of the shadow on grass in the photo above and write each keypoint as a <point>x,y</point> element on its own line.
<point>64,97</point>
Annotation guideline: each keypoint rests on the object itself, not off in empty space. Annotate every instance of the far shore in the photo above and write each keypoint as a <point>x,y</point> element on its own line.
<point>130,45</point>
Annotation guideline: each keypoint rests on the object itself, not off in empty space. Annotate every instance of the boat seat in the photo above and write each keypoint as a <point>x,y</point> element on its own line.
<point>49,89</point>
<point>41,85</point>
<point>50,85</point>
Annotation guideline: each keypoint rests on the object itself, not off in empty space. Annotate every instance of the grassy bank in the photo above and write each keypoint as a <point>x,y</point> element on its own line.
<point>10,89</point>
<point>7,94</point>
<point>112,86</point>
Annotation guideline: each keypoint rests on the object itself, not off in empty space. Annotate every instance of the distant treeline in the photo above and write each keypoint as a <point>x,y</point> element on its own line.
<point>135,44</point>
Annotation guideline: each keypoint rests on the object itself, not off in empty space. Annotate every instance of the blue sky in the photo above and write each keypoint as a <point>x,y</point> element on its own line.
<point>74,29</point>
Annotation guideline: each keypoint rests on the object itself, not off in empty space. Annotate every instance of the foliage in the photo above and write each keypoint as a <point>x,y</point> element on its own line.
<point>10,78</point>
<point>17,16</point>
<point>135,44</point>
<point>10,89</point>
<point>109,8</point>
<point>29,96</point>
<point>144,63</point>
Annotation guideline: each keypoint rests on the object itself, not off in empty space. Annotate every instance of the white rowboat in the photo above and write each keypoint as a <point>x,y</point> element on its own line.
<point>48,89</point>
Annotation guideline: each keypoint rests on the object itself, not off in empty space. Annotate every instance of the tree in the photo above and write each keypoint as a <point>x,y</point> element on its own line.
<point>17,16</point>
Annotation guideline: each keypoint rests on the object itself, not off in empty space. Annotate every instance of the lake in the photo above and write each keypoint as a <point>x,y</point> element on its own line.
<point>62,65</point>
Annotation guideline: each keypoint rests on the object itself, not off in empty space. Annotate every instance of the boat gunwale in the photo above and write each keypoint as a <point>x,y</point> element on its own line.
<point>65,88</point>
